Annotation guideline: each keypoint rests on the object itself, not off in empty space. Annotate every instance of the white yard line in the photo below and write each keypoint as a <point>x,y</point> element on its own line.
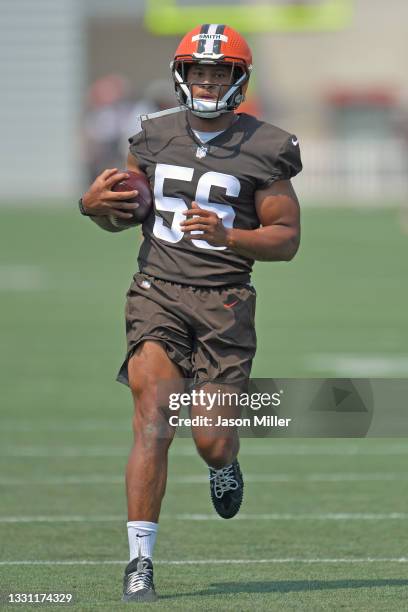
<point>61,426</point>
<point>62,481</point>
<point>328,516</point>
<point>100,479</point>
<point>22,277</point>
<point>217,561</point>
<point>118,451</point>
<point>64,451</point>
<point>331,477</point>
<point>358,366</point>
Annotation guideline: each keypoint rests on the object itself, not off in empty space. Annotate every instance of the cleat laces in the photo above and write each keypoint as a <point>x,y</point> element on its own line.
<point>223,480</point>
<point>141,579</point>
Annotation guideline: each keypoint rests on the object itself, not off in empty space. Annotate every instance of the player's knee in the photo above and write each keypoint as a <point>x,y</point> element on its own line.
<point>142,385</point>
<point>151,428</point>
<point>146,368</point>
<point>152,433</point>
<point>217,452</point>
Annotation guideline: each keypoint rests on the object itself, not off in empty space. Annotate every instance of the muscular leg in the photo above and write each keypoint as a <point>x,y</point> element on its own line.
<point>217,446</point>
<point>146,472</point>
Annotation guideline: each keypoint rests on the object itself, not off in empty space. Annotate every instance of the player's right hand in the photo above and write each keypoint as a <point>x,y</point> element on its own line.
<point>100,200</point>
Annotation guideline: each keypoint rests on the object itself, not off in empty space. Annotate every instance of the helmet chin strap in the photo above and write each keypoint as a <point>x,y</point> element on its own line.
<point>203,115</point>
<point>206,109</point>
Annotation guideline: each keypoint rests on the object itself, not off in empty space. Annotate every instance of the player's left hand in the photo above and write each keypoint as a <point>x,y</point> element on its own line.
<point>208,223</point>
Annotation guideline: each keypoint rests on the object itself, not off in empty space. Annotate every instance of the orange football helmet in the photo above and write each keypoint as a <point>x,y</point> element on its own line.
<point>212,44</point>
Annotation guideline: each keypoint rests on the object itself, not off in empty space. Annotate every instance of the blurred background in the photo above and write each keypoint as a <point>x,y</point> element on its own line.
<point>75,74</point>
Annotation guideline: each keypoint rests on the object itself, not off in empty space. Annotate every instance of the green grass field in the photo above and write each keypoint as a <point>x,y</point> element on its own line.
<point>323,525</point>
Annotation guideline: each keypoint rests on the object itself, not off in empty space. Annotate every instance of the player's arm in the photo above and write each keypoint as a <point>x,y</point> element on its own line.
<point>101,203</point>
<point>132,163</point>
<point>278,239</point>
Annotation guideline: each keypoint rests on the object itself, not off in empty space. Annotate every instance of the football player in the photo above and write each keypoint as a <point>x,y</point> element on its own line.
<point>222,199</point>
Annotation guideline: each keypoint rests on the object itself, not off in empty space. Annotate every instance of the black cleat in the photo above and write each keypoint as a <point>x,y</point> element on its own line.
<point>138,581</point>
<point>227,489</point>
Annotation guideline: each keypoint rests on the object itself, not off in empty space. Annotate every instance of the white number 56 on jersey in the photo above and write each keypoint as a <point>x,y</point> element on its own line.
<point>176,205</point>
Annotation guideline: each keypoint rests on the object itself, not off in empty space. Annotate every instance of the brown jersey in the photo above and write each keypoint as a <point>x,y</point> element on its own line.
<point>221,176</point>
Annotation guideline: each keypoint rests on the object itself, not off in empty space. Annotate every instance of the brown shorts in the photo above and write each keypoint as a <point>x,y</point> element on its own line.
<point>208,332</point>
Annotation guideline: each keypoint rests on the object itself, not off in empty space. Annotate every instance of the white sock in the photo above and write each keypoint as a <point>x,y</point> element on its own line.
<point>141,535</point>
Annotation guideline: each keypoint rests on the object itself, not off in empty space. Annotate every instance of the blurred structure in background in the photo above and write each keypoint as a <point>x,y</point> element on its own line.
<point>110,117</point>
<point>108,107</point>
<point>332,70</point>
<point>360,154</point>
<point>158,95</point>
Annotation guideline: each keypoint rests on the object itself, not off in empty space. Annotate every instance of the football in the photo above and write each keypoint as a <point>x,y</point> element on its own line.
<point>136,181</point>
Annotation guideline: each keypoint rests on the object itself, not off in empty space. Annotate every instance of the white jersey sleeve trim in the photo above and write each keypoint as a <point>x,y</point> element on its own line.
<point>167,111</point>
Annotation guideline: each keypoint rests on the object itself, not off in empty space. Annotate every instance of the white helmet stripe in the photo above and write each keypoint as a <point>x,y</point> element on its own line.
<point>209,43</point>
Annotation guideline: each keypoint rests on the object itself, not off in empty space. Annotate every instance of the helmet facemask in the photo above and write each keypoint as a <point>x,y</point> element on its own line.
<point>226,101</point>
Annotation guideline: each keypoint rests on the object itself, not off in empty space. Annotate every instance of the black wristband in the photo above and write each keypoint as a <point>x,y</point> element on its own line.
<point>82,209</point>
